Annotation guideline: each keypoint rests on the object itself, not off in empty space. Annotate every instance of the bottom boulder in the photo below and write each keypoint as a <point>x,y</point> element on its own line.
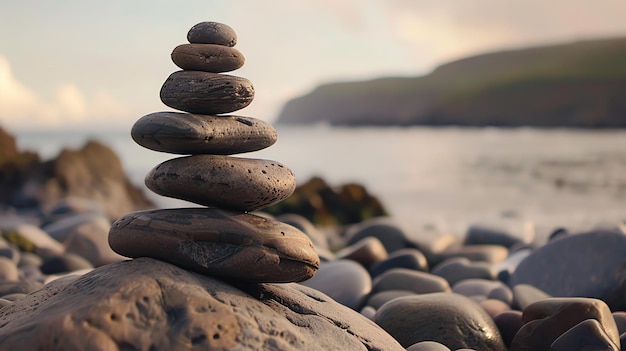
<point>146,304</point>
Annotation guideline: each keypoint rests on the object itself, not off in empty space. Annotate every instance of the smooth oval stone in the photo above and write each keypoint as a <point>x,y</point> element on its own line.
<point>488,288</point>
<point>207,58</point>
<point>366,251</point>
<point>368,311</point>
<point>406,279</point>
<point>450,319</point>
<point>183,133</point>
<point>233,183</point>
<point>458,269</point>
<point>212,33</point>
<point>206,93</point>
<point>217,242</point>
<point>8,270</point>
<point>546,320</point>
<point>389,234</point>
<point>586,335</point>
<point>427,346</point>
<point>67,262</point>
<point>404,258</point>
<point>480,235</point>
<point>345,281</point>
<point>590,265</point>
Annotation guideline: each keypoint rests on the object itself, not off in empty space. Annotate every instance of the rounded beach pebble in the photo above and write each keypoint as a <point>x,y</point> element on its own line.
<point>450,319</point>
<point>238,246</point>
<point>183,133</point>
<point>207,58</point>
<point>590,264</point>
<point>212,33</point>
<point>206,93</point>
<point>240,184</point>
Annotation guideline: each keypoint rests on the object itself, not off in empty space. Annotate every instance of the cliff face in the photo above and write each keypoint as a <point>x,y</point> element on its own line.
<point>577,85</point>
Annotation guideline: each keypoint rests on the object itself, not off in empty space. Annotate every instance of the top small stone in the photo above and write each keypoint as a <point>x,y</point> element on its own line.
<point>212,33</point>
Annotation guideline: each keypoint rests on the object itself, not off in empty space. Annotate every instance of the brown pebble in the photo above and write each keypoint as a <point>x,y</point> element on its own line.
<point>183,133</point>
<point>233,183</point>
<point>206,93</point>
<point>212,33</point>
<point>207,58</point>
<point>216,242</point>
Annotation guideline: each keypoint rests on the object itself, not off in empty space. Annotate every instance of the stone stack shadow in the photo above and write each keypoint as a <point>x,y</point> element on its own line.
<point>221,239</point>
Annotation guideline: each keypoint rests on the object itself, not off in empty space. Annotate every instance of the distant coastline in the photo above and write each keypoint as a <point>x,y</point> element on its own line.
<point>576,85</point>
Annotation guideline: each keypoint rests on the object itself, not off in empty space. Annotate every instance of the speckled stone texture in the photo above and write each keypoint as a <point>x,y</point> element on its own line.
<point>212,33</point>
<point>234,183</point>
<point>183,133</point>
<point>240,246</point>
<point>145,304</point>
<point>207,58</point>
<point>206,93</point>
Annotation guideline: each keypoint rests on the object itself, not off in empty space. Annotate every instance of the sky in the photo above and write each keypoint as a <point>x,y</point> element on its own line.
<point>92,65</point>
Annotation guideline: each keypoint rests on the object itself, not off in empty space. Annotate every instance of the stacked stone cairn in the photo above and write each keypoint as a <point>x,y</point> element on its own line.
<point>222,239</point>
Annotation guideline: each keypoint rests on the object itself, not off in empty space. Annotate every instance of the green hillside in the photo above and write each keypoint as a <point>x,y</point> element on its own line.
<point>582,84</point>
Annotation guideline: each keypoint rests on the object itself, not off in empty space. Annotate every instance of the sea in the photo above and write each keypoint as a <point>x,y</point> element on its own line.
<point>433,181</point>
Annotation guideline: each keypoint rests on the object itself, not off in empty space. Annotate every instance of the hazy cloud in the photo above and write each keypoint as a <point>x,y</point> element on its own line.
<point>21,107</point>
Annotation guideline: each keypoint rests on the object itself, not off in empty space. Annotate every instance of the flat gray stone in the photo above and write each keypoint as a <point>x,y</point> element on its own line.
<point>207,58</point>
<point>220,243</point>
<point>234,183</point>
<point>146,304</point>
<point>183,133</point>
<point>206,93</point>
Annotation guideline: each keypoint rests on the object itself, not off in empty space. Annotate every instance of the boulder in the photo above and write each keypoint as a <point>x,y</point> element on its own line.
<point>149,304</point>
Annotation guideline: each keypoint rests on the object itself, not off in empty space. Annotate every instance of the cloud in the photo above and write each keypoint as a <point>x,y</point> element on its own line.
<point>22,108</point>
<point>451,29</point>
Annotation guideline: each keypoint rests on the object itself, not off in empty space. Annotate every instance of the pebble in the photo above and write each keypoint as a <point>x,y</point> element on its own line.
<point>183,133</point>
<point>366,251</point>
<point>427,346</point>
<point>345,281</point>
<point>206,93</point>
<point>450,319</point>
<point>8,270</point>
<point>403,258</point>
<point>546,320</point>
<point>31,238</point>
<point>67,262</point>
<point>586,335</point>
<point>89,240</point>
<point>480,235</point>
<point>589,264</point>
<point>494,307</point>
<point>406,279</point>
<point>509,323</point>
<point>217,242</point>
<point>240,184</point>
<point>389,234</point>
<point>212,33</point>
<point>525,295</point>
<point>458,269</point>
<point>487,288</point>
<point>207,57</point>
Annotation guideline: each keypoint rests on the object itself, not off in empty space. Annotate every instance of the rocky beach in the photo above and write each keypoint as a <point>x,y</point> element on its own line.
<point>87,261</point>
